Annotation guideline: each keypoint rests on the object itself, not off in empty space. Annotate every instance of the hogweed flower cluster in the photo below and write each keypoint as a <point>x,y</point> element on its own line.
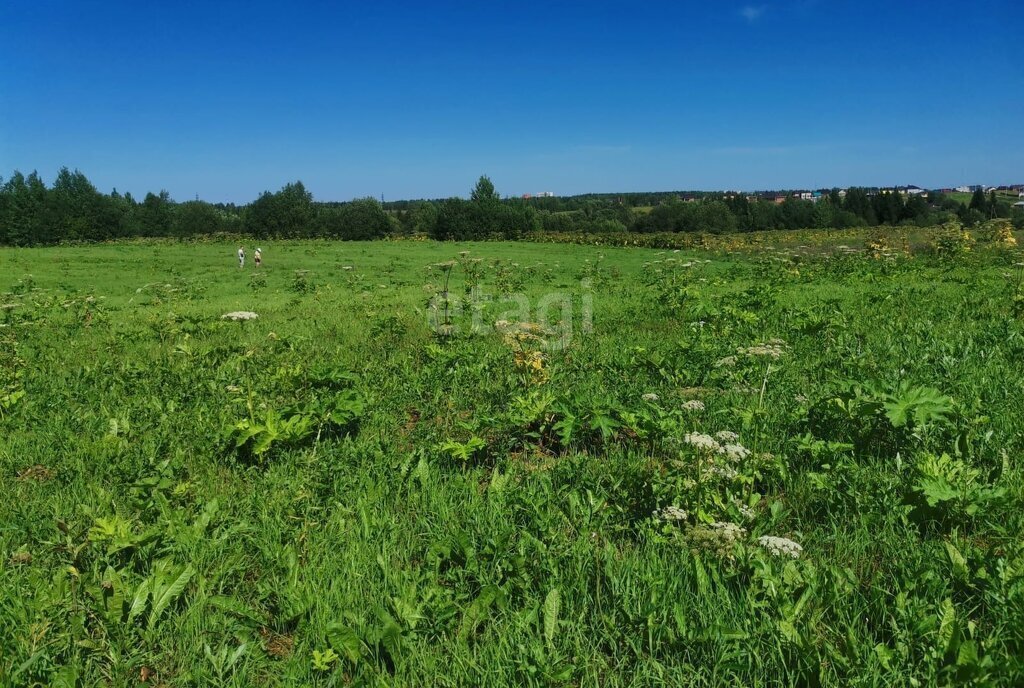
<point>724,472</point>
<point>720,538</point>
<point>723,444</point>
<point>239,316</point>
<point>746,512</point>
<point>780,547</point>
<point>773,348</point>
<point>735,452</point>
<point>701,441</point>
<point>671,513</point>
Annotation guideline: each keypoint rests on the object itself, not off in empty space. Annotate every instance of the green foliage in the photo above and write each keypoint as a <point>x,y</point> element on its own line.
<point>336,415</point>
<point>484,191</point>
<point>257,437</point>
<point>303,282</point>
<point>952,241</point>
<point>463,451</point>
<point>159,590</point>
<point>74,210</point>
<point>917,408</point>
<point>289,212</point>
<point>949,491</point>
<point>769,461</point>
<point>879,420</point>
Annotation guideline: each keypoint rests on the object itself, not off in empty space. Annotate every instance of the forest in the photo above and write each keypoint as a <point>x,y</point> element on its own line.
<point>72,209</point>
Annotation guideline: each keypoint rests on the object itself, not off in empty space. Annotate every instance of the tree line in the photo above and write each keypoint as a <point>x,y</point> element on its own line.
<point>72,209</point>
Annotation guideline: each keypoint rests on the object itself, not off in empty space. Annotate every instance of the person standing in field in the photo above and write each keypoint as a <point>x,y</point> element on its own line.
<point>241,257</point>
<point>258,257</point>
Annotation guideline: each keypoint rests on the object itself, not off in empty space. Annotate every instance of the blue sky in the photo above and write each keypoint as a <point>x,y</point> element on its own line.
<point>416,100</point>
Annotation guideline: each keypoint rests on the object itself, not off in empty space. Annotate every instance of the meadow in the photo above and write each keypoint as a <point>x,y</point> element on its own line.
<point>488,464</point>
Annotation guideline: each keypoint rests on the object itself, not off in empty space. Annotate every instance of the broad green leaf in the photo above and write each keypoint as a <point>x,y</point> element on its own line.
<point>937,490</point>
<point>139,599</point>
<point>168,583</point>
<point>345,640</point>
<point>884,655</point>
<point>477,609</point>
<point>947,627</point>
<point>789,632</point>
<point>552,608</point>
<point>958,561</point>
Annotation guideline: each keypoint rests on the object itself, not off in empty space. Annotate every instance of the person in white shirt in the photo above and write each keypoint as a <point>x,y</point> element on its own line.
<point>241,257</point>
<point>258,257</point>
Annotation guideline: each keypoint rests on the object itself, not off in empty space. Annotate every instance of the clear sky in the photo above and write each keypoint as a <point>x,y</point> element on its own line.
<point>416,100</point>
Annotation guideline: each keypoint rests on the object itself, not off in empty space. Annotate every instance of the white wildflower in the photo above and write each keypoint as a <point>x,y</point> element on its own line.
<point>727,362</point>
<point>729,532</point>
<point>650,396</point>
<point>239,315</point>
<point>702,441</point>
<point>718,537</point>
<point>735,452</point>
<point>693,405</point>
<point>726,436</point>
<point>723,472</point>
<point>773,351</point>
<point>779,547</point>
<point>671,513</point>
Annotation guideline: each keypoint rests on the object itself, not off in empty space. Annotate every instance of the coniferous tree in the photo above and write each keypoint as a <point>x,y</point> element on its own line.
<point>978,201</point>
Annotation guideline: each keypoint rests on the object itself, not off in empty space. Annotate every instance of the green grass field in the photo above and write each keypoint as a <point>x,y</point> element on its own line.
<point>595,466</point>
<point>1004,196</point>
